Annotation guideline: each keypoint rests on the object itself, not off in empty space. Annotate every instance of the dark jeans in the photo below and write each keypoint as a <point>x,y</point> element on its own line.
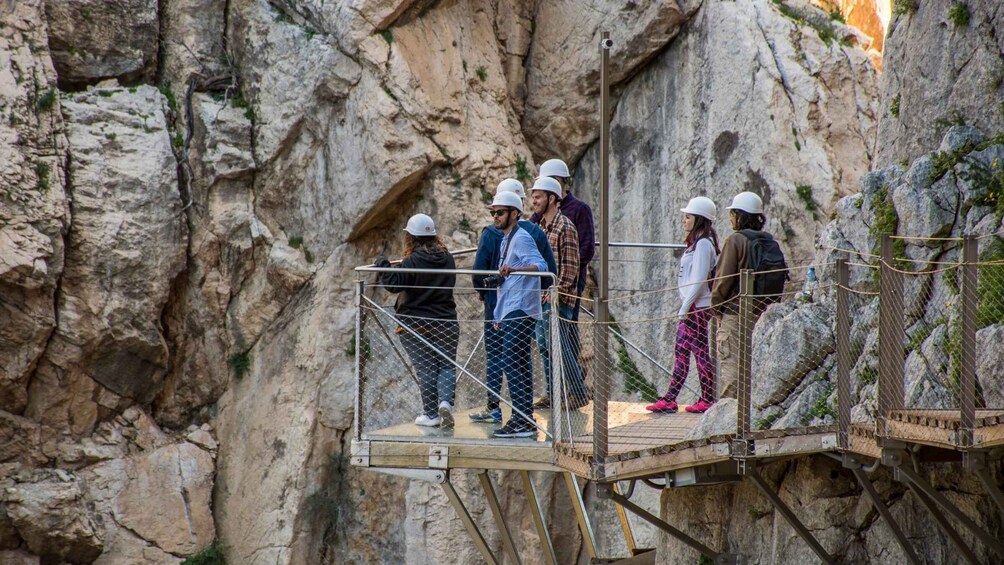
<point>437,375</point>
<point>517,337</point>
<point>494,361</point>
<point>574,384</point>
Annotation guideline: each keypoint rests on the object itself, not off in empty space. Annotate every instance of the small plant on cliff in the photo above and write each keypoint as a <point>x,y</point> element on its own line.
<point>903,7</point>
<point>958,14</point>
<point>482,72</point>
<point>45,101</point>
<point>211,555</point>
<point>990,285</point>
<point>521,172</point>
<point>894,106</point>
<point>42,172</point>
<point>240,363</point>
<point>804,192</point>
<point>172,102</point>
<point>388,36</point>
<point>634,381</point>
<point>464,224</point>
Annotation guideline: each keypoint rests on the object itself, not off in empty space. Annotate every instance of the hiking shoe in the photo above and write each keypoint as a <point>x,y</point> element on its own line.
<point>544,402</point>
<point>446,414</point>
<point>488,416</point>
<point>516,427</point>
<point>699,407</point>
<point>663,405</point>
<point>424,420</point>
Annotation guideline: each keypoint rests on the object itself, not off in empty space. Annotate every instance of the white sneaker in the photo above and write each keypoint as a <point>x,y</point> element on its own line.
<point>445,414</point>
<point>424,420</point>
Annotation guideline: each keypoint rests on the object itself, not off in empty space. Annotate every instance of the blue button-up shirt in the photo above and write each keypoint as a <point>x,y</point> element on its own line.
<point>488,256</point>
<point>519,292</point>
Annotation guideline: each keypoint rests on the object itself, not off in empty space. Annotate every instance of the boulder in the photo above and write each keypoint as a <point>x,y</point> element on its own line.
<point>990,364</point>
<point>92,40</point>
<point>790,341</point>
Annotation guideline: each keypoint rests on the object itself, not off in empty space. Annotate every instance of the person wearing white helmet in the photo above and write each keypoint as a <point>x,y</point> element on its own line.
<point>425,306</point>
<point>545,194</point>
<point>516,311</point>
<point>743,249</point>
<point>487,259</point>
<point>697,267</point>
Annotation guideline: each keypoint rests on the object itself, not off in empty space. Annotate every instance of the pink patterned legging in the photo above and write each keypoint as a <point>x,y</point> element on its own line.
<point>692,337</point>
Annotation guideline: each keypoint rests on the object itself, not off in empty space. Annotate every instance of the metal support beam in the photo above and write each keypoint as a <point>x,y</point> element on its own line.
<point>662,525</point>
<point>625,523</point>
<point>991,487</point>
<point>967,369</point>
<point>939,517</point>
<point>844,361</point>
<point>493,504</point>
<point>921,485</point>
<point>792,520</point>
<point>873,495</point>
<point>891,357</point>
<point>601,381</point>
<point>357,418</point>
<point>469,524</point>
<point>538,518</point>
<point>579,505</point>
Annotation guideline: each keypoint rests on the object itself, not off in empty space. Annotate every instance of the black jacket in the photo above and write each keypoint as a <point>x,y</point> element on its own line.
<point>415,298</point>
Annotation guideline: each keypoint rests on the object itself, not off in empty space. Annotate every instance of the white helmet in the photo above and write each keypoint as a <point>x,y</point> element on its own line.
<point>509,199</point>
<point>420,225</point>
<point>511,185</point>
<point>701,206</point>
<point>546,184</point>
<point>554,168</point>
<point>748,202</point>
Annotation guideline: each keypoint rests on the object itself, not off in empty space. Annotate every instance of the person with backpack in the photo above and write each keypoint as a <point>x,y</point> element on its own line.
<point>749,247</point>
<point>487,259</point>
<point>427,313</point>
<point>697,267</point>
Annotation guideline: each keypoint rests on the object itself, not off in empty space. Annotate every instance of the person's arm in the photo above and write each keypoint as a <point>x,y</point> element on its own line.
<point>482,262</point>
<point>587,234</point>
<point>544,247</point>
<point>396,281</point>
<point>697,278</point>
<point>728,264</point>
<point>524,257</point>
<point>568,251</point>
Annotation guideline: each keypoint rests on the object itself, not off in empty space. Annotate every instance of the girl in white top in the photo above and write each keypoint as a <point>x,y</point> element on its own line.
<point>697,267</point>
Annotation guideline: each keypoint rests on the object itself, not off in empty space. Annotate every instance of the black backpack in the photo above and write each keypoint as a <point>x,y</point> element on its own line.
<point>767,262</point>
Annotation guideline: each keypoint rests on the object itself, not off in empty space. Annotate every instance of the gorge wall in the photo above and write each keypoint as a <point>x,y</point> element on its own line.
<point>185,186</point>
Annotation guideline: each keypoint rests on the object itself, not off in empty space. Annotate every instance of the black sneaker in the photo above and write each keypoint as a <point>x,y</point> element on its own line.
<point>516,427</point>
<point>544,402</point>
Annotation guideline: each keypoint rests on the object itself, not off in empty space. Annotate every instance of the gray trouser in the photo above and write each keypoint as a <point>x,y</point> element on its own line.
<point>437,376</point>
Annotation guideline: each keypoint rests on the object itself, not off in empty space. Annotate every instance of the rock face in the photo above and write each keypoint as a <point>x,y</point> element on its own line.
<point>959,86</point>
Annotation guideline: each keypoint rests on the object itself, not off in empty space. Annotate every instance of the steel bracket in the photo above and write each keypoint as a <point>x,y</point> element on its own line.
<point>360,451</point>
<point>439,457</point>
<point>428,475</point>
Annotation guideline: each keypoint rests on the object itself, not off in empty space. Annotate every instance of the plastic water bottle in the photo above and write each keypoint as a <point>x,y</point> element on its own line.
<point>809,285</point>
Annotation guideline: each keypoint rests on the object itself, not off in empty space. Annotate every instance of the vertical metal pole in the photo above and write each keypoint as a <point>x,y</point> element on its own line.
<point>601,384</point>
<point>744,398</point>
<point>967,375</point>
<point>557,354</point>
<point>538,518</point>
<point>843,356</point>
<point>891,356</point>
<point>493,504</point>
<point>360,359</point>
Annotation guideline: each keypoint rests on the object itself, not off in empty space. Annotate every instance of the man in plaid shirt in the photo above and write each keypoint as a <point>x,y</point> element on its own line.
<point>564,240</point>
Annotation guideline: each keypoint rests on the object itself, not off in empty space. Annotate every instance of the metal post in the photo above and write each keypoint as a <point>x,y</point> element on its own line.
<point>622,517</point>
<point>744,397</point>
<point>360,360</point>
<point>538,518</point>
<point>891,356</point>
<point>469,524</point>
<point>960,544</point>
<point>967,375</point>
<point>843,356</point>
<point>886,515</point>
<point>557,354</point>
<point>662,525</point>
<point>789,516</point>
<point>601,380</point>
<point>493,504</point>
<point>579,505</point>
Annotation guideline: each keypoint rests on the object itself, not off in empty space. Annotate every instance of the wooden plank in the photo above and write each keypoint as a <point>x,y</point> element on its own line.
<point>681,459</point>
<point>791,445</point>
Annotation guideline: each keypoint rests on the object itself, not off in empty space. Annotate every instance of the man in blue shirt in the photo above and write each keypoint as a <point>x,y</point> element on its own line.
<point>487,259</point>
<point>516,311</point>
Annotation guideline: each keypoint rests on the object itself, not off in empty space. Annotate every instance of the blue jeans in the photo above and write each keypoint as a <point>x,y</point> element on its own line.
<point>437,375</point>
<point>494,360</point>
<point>578,299</point>
<point>517,337</point>
<point>568,333</point>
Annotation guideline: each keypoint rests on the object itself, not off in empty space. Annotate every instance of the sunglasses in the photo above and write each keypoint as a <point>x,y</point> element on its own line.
<point>498,213</point>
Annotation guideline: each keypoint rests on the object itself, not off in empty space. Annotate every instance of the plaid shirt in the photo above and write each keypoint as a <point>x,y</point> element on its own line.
<point>564,242</point>
<point>581,215</point>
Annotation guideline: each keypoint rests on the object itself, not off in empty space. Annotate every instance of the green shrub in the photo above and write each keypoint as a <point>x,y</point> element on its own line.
<point>869,375</point>
<point>211,555</point>
<point>295,242</point>
<point>902,7</point>
<point>172,102</point>
<point>240,363</point>
<point>482,72</point>
<point>521,171</point>
<point>894,107</point>
<point>388,36</point>
<point>42,170</point>
<point>804,192</point>
<point>990,285</point>
<point>46,100</point>
<point>958,14</point>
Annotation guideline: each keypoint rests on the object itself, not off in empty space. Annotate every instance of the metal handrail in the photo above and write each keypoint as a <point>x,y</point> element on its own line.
<point>648,245</point>
<point>371,269</point>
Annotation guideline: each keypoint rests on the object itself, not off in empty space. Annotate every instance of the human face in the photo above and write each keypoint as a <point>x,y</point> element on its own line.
<point>539,201</point>
<point>688,222</point>
<point>500,216</point>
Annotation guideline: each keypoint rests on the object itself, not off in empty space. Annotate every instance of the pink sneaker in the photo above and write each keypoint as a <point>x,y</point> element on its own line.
<point>662,405</point>
<point>699,407</point>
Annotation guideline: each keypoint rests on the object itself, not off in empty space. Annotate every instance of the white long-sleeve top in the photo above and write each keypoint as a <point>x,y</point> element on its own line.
<point>696,267</point>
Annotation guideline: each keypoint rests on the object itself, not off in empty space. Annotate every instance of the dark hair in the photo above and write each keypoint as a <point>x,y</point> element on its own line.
<point>747,221</point>
<point>411,242</point>
<point>703,228</point>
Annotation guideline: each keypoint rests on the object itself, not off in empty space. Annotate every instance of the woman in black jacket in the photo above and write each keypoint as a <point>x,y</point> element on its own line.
<point>426,307</point>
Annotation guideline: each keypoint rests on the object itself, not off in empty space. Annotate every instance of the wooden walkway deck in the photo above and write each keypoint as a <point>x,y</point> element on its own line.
<point>642,444</point>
